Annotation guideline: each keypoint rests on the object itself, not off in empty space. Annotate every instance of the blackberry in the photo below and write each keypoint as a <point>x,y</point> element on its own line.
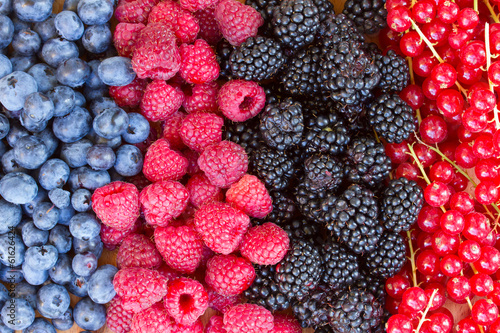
<point>300,271</point>
<point>223,53</point>
<point>372,284</point>
<point>323,172</point>
<point>273,167</point>
<point>400,204</point>
<point>395,71</point>
<point>341,266</point>
<point>299,76</point>
<point>352,113</point>
<point>282,124</point>
<point>284,208</point>
<point>295,23</point>
<point>388,257</point>
<point>338,28</point>
<point>352,219</point>
<point>315,206</point>
<point>325,9</point>
<point>264,290</point>
<point>246,134</point>
<point>369,15</point>
<point>366,162</point>
<point>392,118</point>
<point>301,229</point>
<point>257,59</point>
<point>314,311</point>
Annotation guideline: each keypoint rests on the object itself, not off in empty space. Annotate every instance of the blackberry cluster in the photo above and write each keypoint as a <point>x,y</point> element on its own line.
<point>370,16</point>
<point>273,167</point>
<point>341,266</point>
<point>336,29</point>
<point>302,229</point>
<point>299,76</point>
<point>314,311</point>
<point>264,290</point>
<point>389,256</point>
<point>394,70</point>
<point>323,172</point>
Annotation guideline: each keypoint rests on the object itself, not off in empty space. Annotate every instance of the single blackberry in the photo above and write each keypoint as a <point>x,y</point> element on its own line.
<point>295,23</point>
<point>264,290</point>
<point>315,206</point>
<point>352,113</point>
<point>336,29</point>
<point>257,59</point>
<point>300,271</point>
<point>282,124</point>
<point>314,311</point>
<point>341,266</point>
<point>395,71</point>
<point>366,162</point>
<point>246,134</point>
<point>388,257</point>
<point>400,204</point>
<point>284,208</point>
<point>223,53</point>
<point>352,219</point>
<point>372,284</point>
<point>369,15</point>
<point>273,167</point>
<point>301,229</point>
<point>391,117</point>
<point>323,172</point>
<point>300,72</point>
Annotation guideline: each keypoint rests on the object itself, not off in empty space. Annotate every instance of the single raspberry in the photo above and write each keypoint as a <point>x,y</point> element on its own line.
<point>163,163</point>
<point>140,181</point>
<point>125,38</point>
<point>139,288</point>
<point>209,29</point>
<point>286,324</point>
<point>220,302</point>
<point>186,300</point>
<point>194,5</point>
<point>229,275</point>
<point>129,95</point>
<point>237,21</point>
<point>195,328</point>
<point>118,319</point>
<point>198,62</point>
<point>163,201</point>
<point>153,319</point>
<point>215,325</point>
<point>156,55</point>
<point>223,163</point>
<point>201,190</point>
<point>179,20</point>
<point>171,128</point>
<point>202,98</point>
<point>161,101</point>
<point>250,195</point>
<point>117,205</point>
<point>137,250</point>
<point>221,226</point>
<point>199,130</point>
<point>248,318</point>
<point>241,100</point>
<point>265,244</point>
<point>180,246</point>
<point>134,11</point>
<point>112,237</point>
<point>192,158</point>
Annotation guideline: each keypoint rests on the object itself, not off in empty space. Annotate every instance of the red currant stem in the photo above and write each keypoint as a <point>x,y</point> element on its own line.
<point>429,304</point>
<point>412,80</point>
<point>412,260</point>
<point>488,63</point>
<point>492,11</point>
<point>476,7</point>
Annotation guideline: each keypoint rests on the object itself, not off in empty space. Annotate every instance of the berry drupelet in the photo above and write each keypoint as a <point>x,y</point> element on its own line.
<point>369,15</point>
<point>323,172</point>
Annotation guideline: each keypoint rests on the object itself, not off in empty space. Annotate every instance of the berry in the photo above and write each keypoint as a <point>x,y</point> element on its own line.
<point>369,16</point>
<point>201,191</point>
<point>248,318</point>
<point>137,250</point>
<point>200,130</point>
<point>52,300</point>
<point>264,290</point>
<point>275,168</point>
<point>203,98</point>
<point>135,11</point>
<point>341,266</point>
<point>237,21</point>
<point>209,29</point>
<point>250,196</point>
<point>160,101</point>
<point>177,19</point>
<point>153,319</point>
<point>299,73</point>
<point>215,325</point>
<point>266,244</point>
<point>186,300</point>
<point>198,63</point>
<point>389,257</point>
<point>484,312</point>
<point>229,275</point>
<point>163,163</point>
<point>241,100</point>
<point>163,201</point>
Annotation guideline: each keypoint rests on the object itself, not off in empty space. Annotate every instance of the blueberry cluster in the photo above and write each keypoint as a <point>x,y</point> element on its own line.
<point>61,137</point>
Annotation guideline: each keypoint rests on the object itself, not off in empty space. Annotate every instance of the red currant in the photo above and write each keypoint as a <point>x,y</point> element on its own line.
<point>444,244</point>
<point>398,18</point>
<point>427,262</point>
<point>425,155</point>
<point>467,18</point>
<point>451,265</point>
<point>407,170</point>
<point>494,294</point>
<point>487,192</point>
<point>468,75</point>
<point>487,169</point>
<point>396,285</point>
<point>459,183</point>
<point>462,202</point>
<point>424,11</point>
<point>399,323</point>
<point>489,261</point>
<point>440,323</point>
<point>436,31</point>
<point>484,312</point>
<point>439,297</point>
<point>424,241</point>
<point>467,325</point>
<point>441,171</point>
<point>452,222</point>
<point>411,44</point>
<point>481,99</point>
<point>444,74</point>
<point>437,194</point>
<point>477,226</point>
<point>473,54</point>
<point>469,251</point>
<point>414,299</point>
<point>450,102</point>
<point>389,37</point>
<point>431,88</point>
<point>397,152</point>
<point>413,95</point>
<point>464,156</point>
<point>448,12</point>
<point>474,120</point>
<point>483,146</point>
<point>494,73</point>
<point>458,37</point>
<point>458,288</point>
<point>481,284</point>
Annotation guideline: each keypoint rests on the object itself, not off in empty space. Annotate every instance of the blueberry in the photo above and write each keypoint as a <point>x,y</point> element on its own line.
<point>29,208</point>
<point>10,216</point>
<point>85,177</point>
<point>18,188</point>
<point>16,131</point>
<point>46,29</point>
<point>68,25</point>
<point>70,5</point>
<point>34,276</point>
<point>6,31</point>
<point>101,157</point>
<point>33,11</point>
<point>62,273</point>
<point>17,314</point>
<point>111,123</point>
<point>22,63</point>
<point>137,129</point>
<point>30,152</point>
<point>32,236</point>
<point>95,11</point>
<point>100,286</point>
<point>90,93</point>
<point>5,7</point>
<point>4,295</point>
<point>97,38</point>
<point>9,163</point>
<point>75,154</point>
<point>84,264</point>
<point>5,65</point>
<point>81,200</point>
<point>10,274</point>
<point>80,99</point>
<point>73,126</point>
<point>19,24</point>
<point>60,238</point>
<point>116,71</point>
<point>63,98</point>
<point>65,215</point>
<point>98,105</point>
<point>41,257</point>
<point>89,315</point>
<point>93,81</point>
<point>40,325</point>
<point>53,173</point>
<point>37,112</point>
<point>94,245</point>
<point>78,286</point>
<point>73,72</point>
<point>84,226</point>
<point>57,50</point>
<point>45,215</point>
<point>59,197</point>
<point>44,76</point>
<point>65,322</point>
<point>49,139</point>
<point>52,300</point>
<point>26,42</point>
<point>14,88</point>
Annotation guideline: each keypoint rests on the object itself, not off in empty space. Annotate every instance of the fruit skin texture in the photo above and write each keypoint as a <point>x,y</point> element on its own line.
<point>118,319</point>
<point>286,324</point>
<point>186,300</point>
<point>248,318</point>
<point>241,100</point>
<point>163,163</point>
<point>150,320</point>
<point>125,37</point>
<point>266,244</point>
<point>229,275</point>
<point>137,250</point>
<point>250,195</point>
<point>134,11</point>
<point>200,130</point>
<point>215,325</point>
<point>177,19</point>
<point>237,21</point>
<point>201,191</point>
<point>163,201</point>
<point>199,64</point>
<point>160,101</point>
<point>123,198</point>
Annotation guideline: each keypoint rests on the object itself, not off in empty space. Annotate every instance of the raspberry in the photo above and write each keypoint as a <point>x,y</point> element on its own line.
<point>221,226</point>
<point>195,328</point>
<point>153,319</point>
<point>201,191</point>
<point>237,21</point>
<point>241,100</point>
<point>156,55</point>
<point>134,11</point>
<point>125,38</point>
<point>129,95</point>
<point>199,64</point>
<point>209,29</point>
<point>250,195</point>
<point>179,20</point>
<point>215,325</point>
<point>163,201</point>
<point>220,302</point>
<point>203,98</point>
<point>117,205</point>
<point>192,158</point>
<point>161,101</point>
<point>265,244</point>
<point>186,300</point>
<point>199,130</point>
<point>229,275</point>
<point>168,272</point>
<point>180,246</point>
<point>117,319</point>
<point>139,288</point>
<point>286,324</point>
<point>194,5</point>
<point>163,163</point>
<point>111,237</point>
<point>138,251</point>
<point>171,128</point>
<point>223,163</point>
<point>248,318</point>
